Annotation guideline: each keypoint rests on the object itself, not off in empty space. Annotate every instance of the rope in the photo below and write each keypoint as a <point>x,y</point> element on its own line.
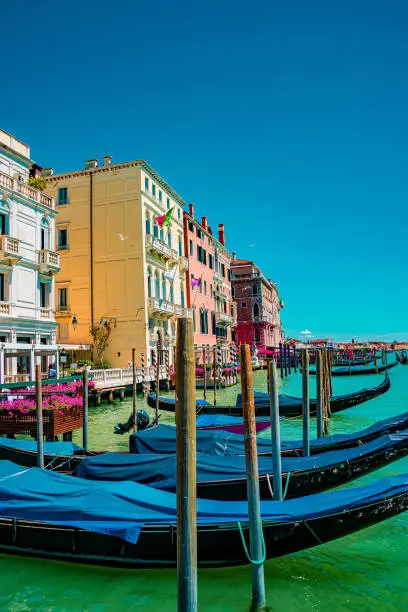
<point>286,486</point>
<point>269,485</point>
<point>261,561</point>
<point>313,532</point>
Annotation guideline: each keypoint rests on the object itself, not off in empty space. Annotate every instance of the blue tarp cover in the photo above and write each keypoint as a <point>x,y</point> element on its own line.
<point>172,400</point>
<point>159,471</point>
<point>162,439</point>
<point>213,420</point>
<point>64,449</point>
<point>122,508</point>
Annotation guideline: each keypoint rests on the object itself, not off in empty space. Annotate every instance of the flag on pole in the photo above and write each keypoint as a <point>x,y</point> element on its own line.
<point>195,282</point>
<point>170,275</point>
<point>165,219</point>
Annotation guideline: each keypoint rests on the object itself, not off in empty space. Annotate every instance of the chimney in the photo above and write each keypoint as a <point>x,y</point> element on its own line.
<point>204,223</point>
<point>107,160</point>
<point>234,256</point>
<point>221,233</point>
<point>191,207</point>
<point>91,163</point>
<point>47,172</point>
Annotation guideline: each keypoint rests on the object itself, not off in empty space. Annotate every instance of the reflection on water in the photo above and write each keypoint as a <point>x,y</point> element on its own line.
<point>363,572</point>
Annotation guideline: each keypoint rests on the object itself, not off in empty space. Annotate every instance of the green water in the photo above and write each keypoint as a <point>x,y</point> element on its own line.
<point>362,572</point>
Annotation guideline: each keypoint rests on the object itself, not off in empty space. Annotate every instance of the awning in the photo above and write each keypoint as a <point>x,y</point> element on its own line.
<point>265,352</point>
<point>75,347</point>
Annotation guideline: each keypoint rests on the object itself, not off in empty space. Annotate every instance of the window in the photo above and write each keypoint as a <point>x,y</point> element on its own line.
<point>257,336</point>
<point>45,235</point>
<point>254,289</point>
<point>169,239</point>
<point>233,291</point>
<point>2,288</point>
<point>191,247</point>
<point>164,290</point>
<point>243,305</point>
<point>148,227</point>
<point>62,239</point>
<point>205,287</point>
<point>160,195</point>
<point>229,274</point>
<point>223,270</point>
<point>43,295</point>
<point>162,234</point>
<point>180,247</point>
<point>211,290</point>
<point>211,261</point>
<point>191,227</point>
<point>171,296</point>
<point>157,286</point>
<point>203,322</point>
<point>153,189</point>
<point>168,203</point>
<point>63,298</point>
<point>182,296</point>
<point>146,184</point>
<point>201,254</point>
<point>213,325</point>
<point>178,214</point>
<point>3,224</point>
<point>155,230</point>
<point>194,319</point>
<point>62,196</point>
<point>199,233</point>
<point>149,283</point>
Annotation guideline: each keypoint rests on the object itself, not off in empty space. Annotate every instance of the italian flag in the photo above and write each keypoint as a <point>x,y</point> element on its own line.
<point>164,220</point>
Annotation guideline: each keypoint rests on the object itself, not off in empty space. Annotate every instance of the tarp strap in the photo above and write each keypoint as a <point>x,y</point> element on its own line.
<point>269,485</point>
<point>286,486</point>
<point>13,475</point>
<point>246,549</point>
<point>61,464</point>
<point>313,532</point>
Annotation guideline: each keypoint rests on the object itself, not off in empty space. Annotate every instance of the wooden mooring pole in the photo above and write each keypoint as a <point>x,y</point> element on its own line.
<point>40,430</point>
<point>289,358</point>
<point>156,415</point>
<point>275,431</point>
<point>205,372</point>
<point>186,469</point>
<point>306,403</point>
<point>281,359</point>
<point>134,390</point>
<point>215,374</point>
<point>257,545</point>
<point>319,395</point>
<point>85,408</point>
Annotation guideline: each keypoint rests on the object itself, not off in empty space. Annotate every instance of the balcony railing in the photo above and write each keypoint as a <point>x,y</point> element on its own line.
<point>45,313</point>
<point>183,263</point>
<point>168,308</point>
<point>160,248</point>
<point>223,318</point>
<point>49,261</point>
<point>9,249</point>
<point>63,310</point>
<point>26,190</point>
<point>266,318</point>
<point>4,308</point>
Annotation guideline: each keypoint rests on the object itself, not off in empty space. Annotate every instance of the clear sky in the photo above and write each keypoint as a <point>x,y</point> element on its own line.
<point>287,121</point>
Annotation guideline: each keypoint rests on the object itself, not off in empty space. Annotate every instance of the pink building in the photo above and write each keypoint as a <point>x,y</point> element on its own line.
<point>208,283</point>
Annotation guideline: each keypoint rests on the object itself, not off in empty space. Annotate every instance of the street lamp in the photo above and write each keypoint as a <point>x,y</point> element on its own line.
<point>74,322</point>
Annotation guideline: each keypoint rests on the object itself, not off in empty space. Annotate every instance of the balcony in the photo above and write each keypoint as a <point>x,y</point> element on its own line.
<point>266,317</point>
<point>183,263</point>
<point>26,190</point>
<point>4,309</point>
<point>164,307</point>
<point>223,318</point>
<point>63,311</point>
<point>9,249</point>
<point>49,261</point>
<point>156,246</point>
<point>46,313</point>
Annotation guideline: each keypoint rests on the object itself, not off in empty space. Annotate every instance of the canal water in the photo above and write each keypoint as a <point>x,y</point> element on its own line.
<point>363,572</point>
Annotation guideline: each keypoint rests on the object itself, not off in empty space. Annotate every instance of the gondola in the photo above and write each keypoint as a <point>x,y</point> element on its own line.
<point>66,456</point>
<point>162,439</point>
<point>289,406</point>
<point>353,362</point>
<point>55,516</point>
<point>358,371</point>
<point>224,478</point>
<point>402,358</point>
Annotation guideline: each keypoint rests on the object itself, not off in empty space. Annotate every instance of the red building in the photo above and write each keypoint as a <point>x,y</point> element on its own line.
<point>257,305</point>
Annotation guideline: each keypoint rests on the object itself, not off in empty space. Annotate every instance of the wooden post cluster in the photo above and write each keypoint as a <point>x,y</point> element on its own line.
<point>325,392</point>
<point>275,431</point>
<point>215,374</point>
<point>251,457</point>
<point>85,409</point>
<point>186,468</point>
<point>306,402</point>
<point>205,372</point>
<point>281,359</point>
<point>134,388</point>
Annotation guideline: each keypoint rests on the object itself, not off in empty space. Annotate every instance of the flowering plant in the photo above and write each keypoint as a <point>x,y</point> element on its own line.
<point>52,403</point>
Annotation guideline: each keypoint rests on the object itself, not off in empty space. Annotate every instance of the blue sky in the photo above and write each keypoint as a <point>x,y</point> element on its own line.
<point>287,121</point>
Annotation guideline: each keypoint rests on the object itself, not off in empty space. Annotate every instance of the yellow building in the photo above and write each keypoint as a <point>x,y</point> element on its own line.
<point>117,264</point>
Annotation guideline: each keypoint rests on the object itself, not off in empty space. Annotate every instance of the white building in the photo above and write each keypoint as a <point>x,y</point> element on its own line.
<point>27,267</point>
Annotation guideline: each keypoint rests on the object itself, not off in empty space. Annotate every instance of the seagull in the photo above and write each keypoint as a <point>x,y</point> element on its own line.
<point>251,246</point>
<point>122,237</point>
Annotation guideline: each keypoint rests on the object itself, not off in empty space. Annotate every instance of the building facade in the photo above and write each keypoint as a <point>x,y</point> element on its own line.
<point>28,263</point>
<point>209,283</point>
<point>118,266</point>
<point>258,306</point>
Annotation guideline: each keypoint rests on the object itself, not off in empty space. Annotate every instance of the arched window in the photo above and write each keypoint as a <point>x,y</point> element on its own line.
<point>148,225</point>
<point>182,295</point>
<point>149,282</point>
<point>257,336</point>
<point>171,297</point>
<point>180,245</point>
<point>157,285</point>
<point>45,234</point>
<point>164,291</point>
<point>162,234</point>
<point>256,310</point>
<point>169,236</point>
<point>4,218</point>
